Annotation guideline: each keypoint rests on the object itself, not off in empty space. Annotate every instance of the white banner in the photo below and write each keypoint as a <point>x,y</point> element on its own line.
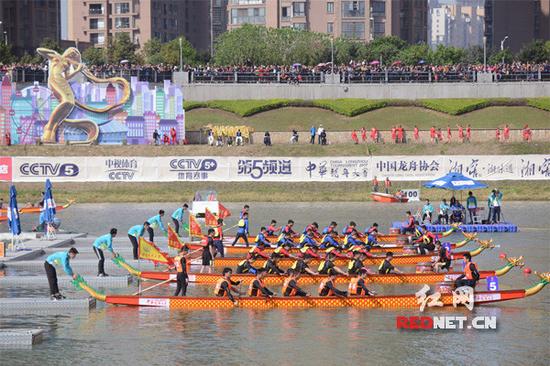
<point>271,169</point>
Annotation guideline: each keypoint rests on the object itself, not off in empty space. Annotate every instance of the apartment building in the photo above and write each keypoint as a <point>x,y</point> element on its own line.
<point>96,21</point>
<point>358,19</point>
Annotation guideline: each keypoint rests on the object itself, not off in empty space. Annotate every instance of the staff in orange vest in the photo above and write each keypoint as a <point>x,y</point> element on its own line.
<point>224,286</point>
<point>357,285</point>
<point>257,287</point>
<point>182,268</point>
<point>387,185</point>
<point>471,274</point>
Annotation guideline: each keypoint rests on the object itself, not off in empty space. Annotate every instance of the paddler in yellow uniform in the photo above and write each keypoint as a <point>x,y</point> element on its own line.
<point>301,265</point>
<point>386,267</point>
<point>327,265</point>
<point>357,285</point>
<point>290,285</point>
<point>327,288</point>
<point>225,286</point>
<point>257,287</point>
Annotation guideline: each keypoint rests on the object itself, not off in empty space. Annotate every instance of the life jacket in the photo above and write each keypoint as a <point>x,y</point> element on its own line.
<point>351,264</point>
<point>280,252</point>
<point>428,237</point>
<point>323,264</point>
<point>286,283</point>
<point>244,265</point>
<point>468,271</point>
<point>177,263</point>
<point>382,265</point>
<point>218,291</point>
<point>353,286</point>
<point>253,253</point>
<point>258,238</point>
<point>287,229</point>
<point>323,290</point>
<point>218,232</point>
<point>241,223</point>
<point>254,291</point>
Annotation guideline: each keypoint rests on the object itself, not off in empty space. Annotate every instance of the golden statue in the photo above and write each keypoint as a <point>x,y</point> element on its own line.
<point>62,69</point>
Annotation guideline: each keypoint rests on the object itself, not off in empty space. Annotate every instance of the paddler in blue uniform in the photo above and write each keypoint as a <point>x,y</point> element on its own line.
<point>329,229</point>
<point>372,234</point>
<point>154,222</point>
<point>242,231</point>
<point>285,239</point>
<point>261,238</point>
<point>178,217</point>
<point>314,229</point>
<point>308,240</point>
<point>62,259</point>
<point>104,242</point>
<point>351,240</point>
<point>134,233</point>
<point>245,210</point>
<point>330,240</point>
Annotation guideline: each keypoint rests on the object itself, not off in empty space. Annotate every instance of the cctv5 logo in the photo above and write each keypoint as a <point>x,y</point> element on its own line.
<point>49,170</point>
<point>193,165</point>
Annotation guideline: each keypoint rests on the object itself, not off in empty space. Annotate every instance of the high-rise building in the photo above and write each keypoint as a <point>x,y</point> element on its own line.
<point>96,21</point>
<point>458,23</point>
<point>25,23</point>
<point>521,20</point>
<point>359,19</point>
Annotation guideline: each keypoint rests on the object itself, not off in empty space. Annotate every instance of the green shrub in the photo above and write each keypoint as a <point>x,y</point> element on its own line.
<point>245,108</point>
<point>454,106</point>
<point>540,103</point>
<point>188,105</point>
<point>349,107</point>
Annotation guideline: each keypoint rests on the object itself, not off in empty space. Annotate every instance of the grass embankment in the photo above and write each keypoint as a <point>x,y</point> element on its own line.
<point>253,191</point>
<point>488,148</point>
<point>302,118</point>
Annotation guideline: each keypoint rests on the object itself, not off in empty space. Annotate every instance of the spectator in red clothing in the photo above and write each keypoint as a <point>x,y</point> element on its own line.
<point>416,134</point>
<point>374,134</point>
<point>173,136</point>
<point>468,133</point>
<point>400,134</point>
<point>8,139</point>
<point>460,133</point>
<point>526,133</point>
<point>439,135</point>
<point>497,134</point>
<point>433,136</point>
<point>165,139</point>
<point>387,185</point>
<point>394,134</point>
<point>506,133</point>
<point>449,134</point>
<point>363,134</point>
<point>354,137</point>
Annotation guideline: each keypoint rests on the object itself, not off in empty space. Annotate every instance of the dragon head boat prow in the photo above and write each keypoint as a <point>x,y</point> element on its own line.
<point>544,280</point>
<point>511,262</point>
<point>469,236</point>
<point>483,244</point>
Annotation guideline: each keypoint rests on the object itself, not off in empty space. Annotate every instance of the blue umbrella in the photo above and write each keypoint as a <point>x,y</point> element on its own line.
<point>455,182</point>
<point>13,213</point>
<point>49,203</point>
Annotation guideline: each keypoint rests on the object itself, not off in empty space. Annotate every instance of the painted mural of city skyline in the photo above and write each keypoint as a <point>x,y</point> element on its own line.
<point>23,113</point>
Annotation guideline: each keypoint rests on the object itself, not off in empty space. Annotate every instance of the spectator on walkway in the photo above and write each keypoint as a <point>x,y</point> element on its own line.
<point>294,137</point>
<point>432,135</point>
<point>165,139</point>
<point>375,184</point>
<point>460,133</point>
<point>443,212</point>
<point>490,205</point>
<point>427,211</point>
<point>156,137</point>
<point>267,138</point>
<point>312,132</point>
<point>323,137</point>
<point>497,134</point>
<point>468,133</point>
<point>471,205</point>
<point>239,138</point>
<point>354,137</point>
<point>374,135</point>
<point>173,136</point>
<point>229,140</point>
<point>320,130</point>
<point>526,133</point>
<point>394,134</point>
<point>363,134</point>
<point>219,142</point>
<point>387,185</point>
<point>416,133</point>
<point>506,133</point>
<point>449,134</point>
<point>210,138</point>
<point>439,135</point>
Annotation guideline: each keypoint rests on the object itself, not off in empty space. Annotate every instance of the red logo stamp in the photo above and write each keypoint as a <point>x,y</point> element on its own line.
<point>5,168</point>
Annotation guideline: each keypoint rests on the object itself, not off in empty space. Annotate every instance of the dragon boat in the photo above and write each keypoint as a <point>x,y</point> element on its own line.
<point>399,260</point>
<point>33,210</point>
<point>240,250</point>
<point>379,301</point>
<point>388,198</point>
<point>393,278</point>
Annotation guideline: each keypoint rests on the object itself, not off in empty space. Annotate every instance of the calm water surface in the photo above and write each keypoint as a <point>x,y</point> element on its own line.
<point>121,336</point>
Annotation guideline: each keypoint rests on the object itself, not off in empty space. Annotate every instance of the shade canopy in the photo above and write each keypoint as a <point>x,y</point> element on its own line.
<point>455,182</point>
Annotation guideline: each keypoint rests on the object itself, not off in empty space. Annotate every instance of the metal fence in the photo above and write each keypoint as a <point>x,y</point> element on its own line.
<point>28,75</point>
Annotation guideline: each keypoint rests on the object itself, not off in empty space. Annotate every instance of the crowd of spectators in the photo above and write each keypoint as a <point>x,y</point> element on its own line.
<point>363,72</point>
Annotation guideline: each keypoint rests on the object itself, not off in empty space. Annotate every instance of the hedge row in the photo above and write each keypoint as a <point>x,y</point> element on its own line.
<point>354,107</point>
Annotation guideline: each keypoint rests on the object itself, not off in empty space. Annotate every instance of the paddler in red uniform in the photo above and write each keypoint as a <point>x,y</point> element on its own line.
<point>327,288</point>
<point>257,287</point>
<point>288,229</point>
<point>182,269</point>
<point>443,261</point>
<point>426,242</point>
<point>272,229</point>
<point>225,286</point>
<point>290,285</point>
<point>410,226</point>
<point>314,229</point>
<point>357,285</point>
<point>330,228</point>
<point>257,252</point>
<point>471,274</point>
<point>283,251</point>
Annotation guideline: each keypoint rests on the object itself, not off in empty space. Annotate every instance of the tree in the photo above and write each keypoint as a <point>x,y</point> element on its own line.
<point>448,55</point>
<point>6,54</point>
<point>534,52</point>
<point>412,55</point>
<point>94,56</point>
<point>51,44</point>
<point>122,49</point>
<point>474,55</point>
<point>496,57</point>
<point>151,51</point>
<point>170,52</point>
<point>385,49</point>
<point>30,59</point>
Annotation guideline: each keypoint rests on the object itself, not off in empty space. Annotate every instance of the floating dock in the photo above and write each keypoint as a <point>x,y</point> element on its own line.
<point>66,281</point>
<point>26,305</point>
<point>20,338</point>
<point>503,227</point>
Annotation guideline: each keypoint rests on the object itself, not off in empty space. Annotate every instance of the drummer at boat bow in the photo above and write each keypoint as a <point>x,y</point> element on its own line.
<point>327,288</point>
<point>290,285</point>
<point>471,273</point>
<point>182,269</point>
<point>242,231</point>
<point>104,242</point>
<point>386,267</point>
<point>357,285</point>
<point>257,287</point>
<point>134,233</point>
<point>224,286</point>
<point>154,222</point>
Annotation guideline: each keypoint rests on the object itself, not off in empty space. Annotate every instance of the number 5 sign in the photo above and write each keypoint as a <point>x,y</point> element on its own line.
<point>411,194</point>
<point>492,283</point>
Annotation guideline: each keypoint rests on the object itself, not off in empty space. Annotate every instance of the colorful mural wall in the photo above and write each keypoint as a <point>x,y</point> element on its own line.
<point>23,113</point>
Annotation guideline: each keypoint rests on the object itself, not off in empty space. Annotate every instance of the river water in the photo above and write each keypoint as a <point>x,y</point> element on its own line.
<point>121,335</point>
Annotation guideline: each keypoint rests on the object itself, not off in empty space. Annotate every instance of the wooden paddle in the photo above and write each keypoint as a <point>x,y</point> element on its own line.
<point>148,288</point>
